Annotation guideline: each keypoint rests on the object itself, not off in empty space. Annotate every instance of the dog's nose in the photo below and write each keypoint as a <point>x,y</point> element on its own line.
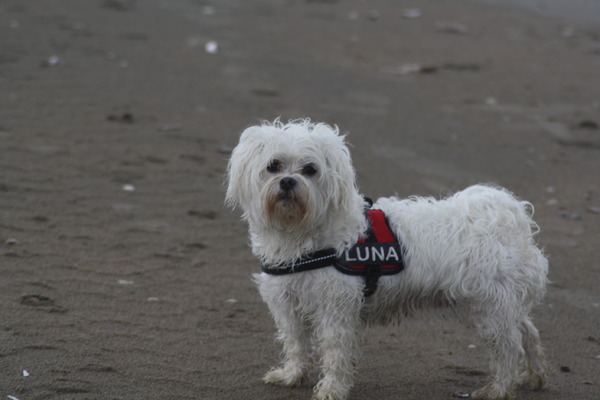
<point>287,183</point>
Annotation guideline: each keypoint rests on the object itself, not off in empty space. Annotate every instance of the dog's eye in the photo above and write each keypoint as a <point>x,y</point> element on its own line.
<point>274,166</point>
<point>309,170</point>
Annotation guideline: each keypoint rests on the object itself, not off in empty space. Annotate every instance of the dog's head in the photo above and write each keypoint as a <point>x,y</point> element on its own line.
<point>291,176</point>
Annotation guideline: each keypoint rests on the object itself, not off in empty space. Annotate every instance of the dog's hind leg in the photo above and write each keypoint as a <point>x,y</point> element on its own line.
<point>500,328</point>
<point>297,346</point>
<point>535,372</point>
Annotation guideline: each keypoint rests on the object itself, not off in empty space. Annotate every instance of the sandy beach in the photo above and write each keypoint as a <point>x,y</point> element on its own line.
<point>123,275</point>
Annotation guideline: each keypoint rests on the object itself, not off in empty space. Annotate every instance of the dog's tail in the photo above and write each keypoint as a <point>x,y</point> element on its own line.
<point>511,219</point>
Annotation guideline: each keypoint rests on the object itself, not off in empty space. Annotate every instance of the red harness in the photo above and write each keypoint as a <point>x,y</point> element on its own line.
<point>379,253</point>
<point>378,246</point>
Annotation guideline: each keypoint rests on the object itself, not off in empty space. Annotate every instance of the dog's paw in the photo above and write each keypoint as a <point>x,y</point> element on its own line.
<point>492,392</point>
<point>328,389</point>
<point>286,376</point>
<point>532,381</point>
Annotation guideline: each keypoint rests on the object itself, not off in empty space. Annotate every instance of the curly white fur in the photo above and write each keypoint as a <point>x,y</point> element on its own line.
<point>473,253</point>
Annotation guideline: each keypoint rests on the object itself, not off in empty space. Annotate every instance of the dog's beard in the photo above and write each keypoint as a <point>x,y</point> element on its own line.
<point>287,211</point>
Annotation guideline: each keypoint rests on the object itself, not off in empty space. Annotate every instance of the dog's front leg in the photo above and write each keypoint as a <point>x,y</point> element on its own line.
<point>295,337</point>
<point>339,332</point>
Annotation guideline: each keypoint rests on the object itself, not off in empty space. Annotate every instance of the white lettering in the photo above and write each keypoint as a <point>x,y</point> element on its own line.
<point>364,257</point>
<point>372,254</point>
<point>378,254</point>
<point>348,258</point>
<point>392,254</point>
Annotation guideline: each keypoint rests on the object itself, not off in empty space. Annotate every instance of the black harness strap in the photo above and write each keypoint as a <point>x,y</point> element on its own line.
<point>316,260</point>
<point>372,272</point>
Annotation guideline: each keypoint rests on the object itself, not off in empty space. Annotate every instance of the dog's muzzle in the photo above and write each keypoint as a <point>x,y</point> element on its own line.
<point>287,202</point>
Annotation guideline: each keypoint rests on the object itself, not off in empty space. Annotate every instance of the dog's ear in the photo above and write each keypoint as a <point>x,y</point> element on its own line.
<point>340,176</point>
<point>243,169</point>
<point>248,160</point>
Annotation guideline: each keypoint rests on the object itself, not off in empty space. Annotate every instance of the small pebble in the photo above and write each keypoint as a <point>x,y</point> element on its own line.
<point>170,127</point>
<point>53,61</point>
<point>412,13</point>
<point>374,15</point>
<point>11,241</point>
<point>209,10</point>
<point>462,395</point>
<point>455,28</point>
<point>36,300</point>
<point>211,47</point>
<point>563,213</point>
<point>125,117</point>
<point>588,124</point>
<point>129,188</point>
<point>125,282</point>
<point>564,368</point>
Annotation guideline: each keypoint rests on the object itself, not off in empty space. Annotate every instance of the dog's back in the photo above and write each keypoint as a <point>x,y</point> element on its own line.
<point>472,246</point>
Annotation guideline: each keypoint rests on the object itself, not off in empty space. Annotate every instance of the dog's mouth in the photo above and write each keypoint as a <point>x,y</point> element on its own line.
<point>286,196</point>
<point>286,202</point>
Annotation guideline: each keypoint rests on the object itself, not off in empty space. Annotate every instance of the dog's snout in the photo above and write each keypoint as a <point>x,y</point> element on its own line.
<point>287,183</point>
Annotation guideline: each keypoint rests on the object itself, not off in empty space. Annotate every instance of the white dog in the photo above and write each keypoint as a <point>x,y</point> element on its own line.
<point>472,253</point>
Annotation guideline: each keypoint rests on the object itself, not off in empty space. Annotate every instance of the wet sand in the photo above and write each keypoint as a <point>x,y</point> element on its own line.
<point>123,277</point>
